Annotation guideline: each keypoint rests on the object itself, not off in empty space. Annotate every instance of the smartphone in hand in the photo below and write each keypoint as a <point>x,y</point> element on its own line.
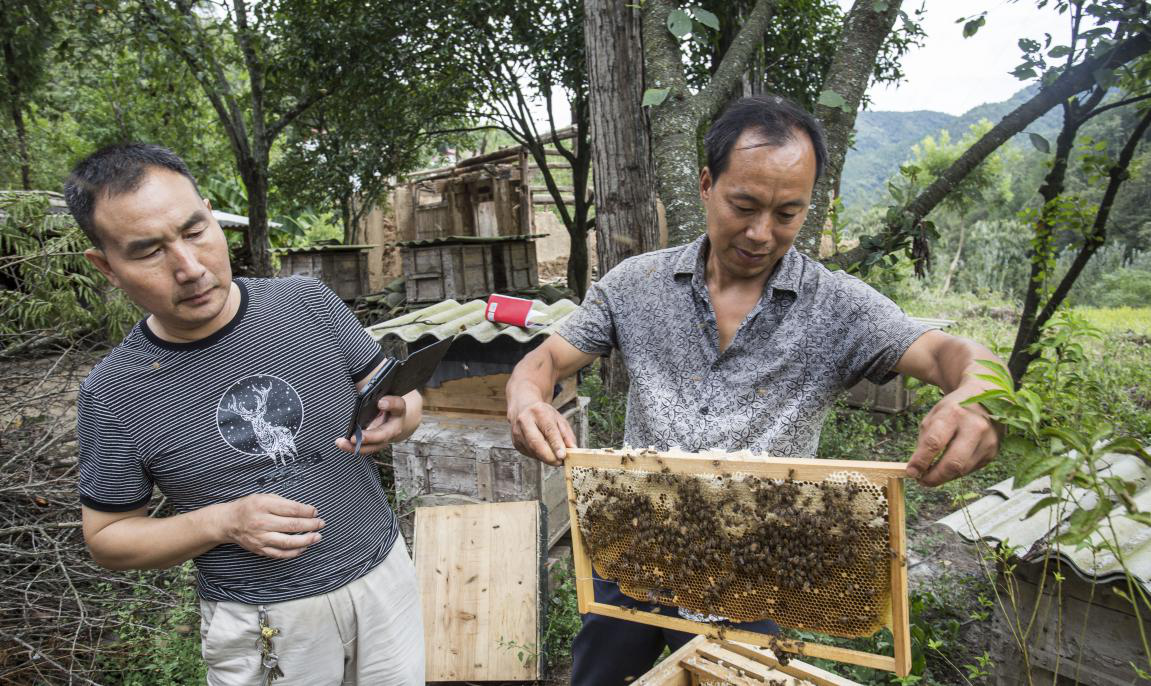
<point>396,378</point>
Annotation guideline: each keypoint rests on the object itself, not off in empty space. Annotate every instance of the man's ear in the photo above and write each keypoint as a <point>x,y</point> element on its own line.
<point>208,204</point>
<point>100,261</point>
<point>705,183</point>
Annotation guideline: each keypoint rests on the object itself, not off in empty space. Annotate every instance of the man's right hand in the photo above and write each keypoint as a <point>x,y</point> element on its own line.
<point>269,525</point>
<point>540,431</point>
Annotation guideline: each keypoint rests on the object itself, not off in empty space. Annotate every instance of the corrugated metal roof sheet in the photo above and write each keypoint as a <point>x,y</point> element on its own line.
<point>1001,516</point>
<point>320,248</point>
<point>468,239</point>
<point>450,318</point>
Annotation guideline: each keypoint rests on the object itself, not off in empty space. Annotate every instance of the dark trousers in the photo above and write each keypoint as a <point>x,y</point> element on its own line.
<point>615,652</point>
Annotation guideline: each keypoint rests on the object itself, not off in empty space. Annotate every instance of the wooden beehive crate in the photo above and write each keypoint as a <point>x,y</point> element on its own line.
<point>475,458</point>
<point>483,396</point>
<point>482,590</point>
<point>889,398</point>
<point>514,263</point>
<point>458,271</point>
<point>706,661</point>
<point>883,475</point>
<point>344,271</point>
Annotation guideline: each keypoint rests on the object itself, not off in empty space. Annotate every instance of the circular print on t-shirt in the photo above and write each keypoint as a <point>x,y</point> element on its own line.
<point>261,415</point>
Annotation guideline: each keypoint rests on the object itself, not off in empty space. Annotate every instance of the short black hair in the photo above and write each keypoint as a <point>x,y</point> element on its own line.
<point>774,117</point>
<point>111,171</point>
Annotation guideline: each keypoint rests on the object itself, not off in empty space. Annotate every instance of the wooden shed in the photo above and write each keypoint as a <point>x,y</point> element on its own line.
<point>344,268</point>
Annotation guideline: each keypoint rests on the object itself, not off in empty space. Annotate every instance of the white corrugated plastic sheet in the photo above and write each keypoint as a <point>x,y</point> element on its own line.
<point>450,318</point>
<point>1001,517</point>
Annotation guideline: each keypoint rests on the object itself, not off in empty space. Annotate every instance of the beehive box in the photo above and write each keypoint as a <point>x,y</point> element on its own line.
<point>483,396</point>
<point>705,661</point>
<point>475,457</point>
<point>889,398</point>
<point>458,271</point>
<point>515,265</point>
<point>344,269</point>
<point>815,545</point>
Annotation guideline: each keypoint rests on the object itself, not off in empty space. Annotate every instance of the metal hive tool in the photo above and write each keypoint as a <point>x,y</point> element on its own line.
<point>811,544</point>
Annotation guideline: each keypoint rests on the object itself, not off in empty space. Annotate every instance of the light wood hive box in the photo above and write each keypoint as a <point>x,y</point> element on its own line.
<point>475,458</point>
<point>815,545</point>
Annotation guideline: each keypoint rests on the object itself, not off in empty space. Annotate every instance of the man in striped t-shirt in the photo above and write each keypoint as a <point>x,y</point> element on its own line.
<point>232,397</point>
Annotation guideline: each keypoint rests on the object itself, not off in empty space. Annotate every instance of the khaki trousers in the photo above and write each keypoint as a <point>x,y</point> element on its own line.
<point>367,633</point>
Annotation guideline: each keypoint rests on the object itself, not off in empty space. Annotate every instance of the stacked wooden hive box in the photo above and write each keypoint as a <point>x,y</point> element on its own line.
<point>466,232</point>
<point>463,449</point>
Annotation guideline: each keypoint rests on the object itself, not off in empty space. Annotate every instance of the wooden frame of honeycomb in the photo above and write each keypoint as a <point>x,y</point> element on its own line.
<point>817,545</point>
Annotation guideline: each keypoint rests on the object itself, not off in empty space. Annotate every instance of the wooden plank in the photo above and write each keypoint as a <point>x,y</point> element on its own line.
<point>808,648</point>
<point>585,590</point>
<point>712,673</point>
<point>669,672</point>
<point>795,668</point>
<point>744,463</point>
<point>483,395</point>
<point>479,575</point>
<point>900,613</point>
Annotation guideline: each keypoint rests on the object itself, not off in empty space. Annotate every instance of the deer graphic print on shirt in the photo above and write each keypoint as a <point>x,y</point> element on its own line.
<point>249,424</point>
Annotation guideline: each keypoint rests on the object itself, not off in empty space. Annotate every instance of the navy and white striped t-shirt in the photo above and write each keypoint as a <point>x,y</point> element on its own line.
<point>254,408</point>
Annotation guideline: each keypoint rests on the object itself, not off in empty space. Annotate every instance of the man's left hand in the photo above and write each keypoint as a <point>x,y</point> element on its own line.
<point>963,438</point>
<point>392,424</point>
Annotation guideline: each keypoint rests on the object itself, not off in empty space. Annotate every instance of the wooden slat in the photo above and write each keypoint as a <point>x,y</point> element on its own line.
<point>483,396</point>
<point>808,648</point>
<point>712,673</point>
<point>795,668</point>
<point>900,613</point>
<point>726,463</point>
<point>479,574</point>
<point>585,589</point>
<point>669,672</point>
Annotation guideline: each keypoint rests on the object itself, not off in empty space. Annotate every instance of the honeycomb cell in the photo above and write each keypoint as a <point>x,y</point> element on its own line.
<point>810,555</point>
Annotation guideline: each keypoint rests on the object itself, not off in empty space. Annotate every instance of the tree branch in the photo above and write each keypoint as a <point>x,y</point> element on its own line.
<point>1118,174</point>
<point>734,62</point>
<point>1073,81</point>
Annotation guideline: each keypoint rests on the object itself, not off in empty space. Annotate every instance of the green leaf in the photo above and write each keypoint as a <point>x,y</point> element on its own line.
<point>880,5</point>
<point>679,23</point>
<point>653,97</point>
<point>1024,72</point>
<point>706,18</point>
<point>1042,504</point>
<point>830,98</point>
<point>972,27</point>
<point>1040,143</point>
<point>1059,51</point>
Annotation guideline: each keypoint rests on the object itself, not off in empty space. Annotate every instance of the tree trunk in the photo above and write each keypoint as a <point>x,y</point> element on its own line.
<point>675,123</point>
<point>259,259</point>
<point>623,176</point>
<point>1076,80</point>
<point>954,261</point>
<point>17,111</point>
<point>625,201</point>
<point>864,30</point>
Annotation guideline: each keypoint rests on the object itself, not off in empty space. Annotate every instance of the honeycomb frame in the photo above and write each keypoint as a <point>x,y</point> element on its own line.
<point>646,470</point>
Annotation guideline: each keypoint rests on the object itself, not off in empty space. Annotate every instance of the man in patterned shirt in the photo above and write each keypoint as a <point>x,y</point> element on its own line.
<point>232,397</point>
<point>737,341</point>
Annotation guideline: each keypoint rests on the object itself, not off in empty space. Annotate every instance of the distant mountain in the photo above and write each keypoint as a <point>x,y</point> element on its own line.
<point>883,141</point>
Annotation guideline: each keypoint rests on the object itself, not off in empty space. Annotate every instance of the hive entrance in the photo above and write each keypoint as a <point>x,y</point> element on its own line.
<point>808,544</point>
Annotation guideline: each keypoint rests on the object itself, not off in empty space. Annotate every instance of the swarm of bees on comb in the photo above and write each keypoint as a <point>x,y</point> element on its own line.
<point>808,554</point>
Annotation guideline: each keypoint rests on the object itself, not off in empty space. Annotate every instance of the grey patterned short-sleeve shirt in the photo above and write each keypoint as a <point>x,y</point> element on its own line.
<point>813,334</point>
